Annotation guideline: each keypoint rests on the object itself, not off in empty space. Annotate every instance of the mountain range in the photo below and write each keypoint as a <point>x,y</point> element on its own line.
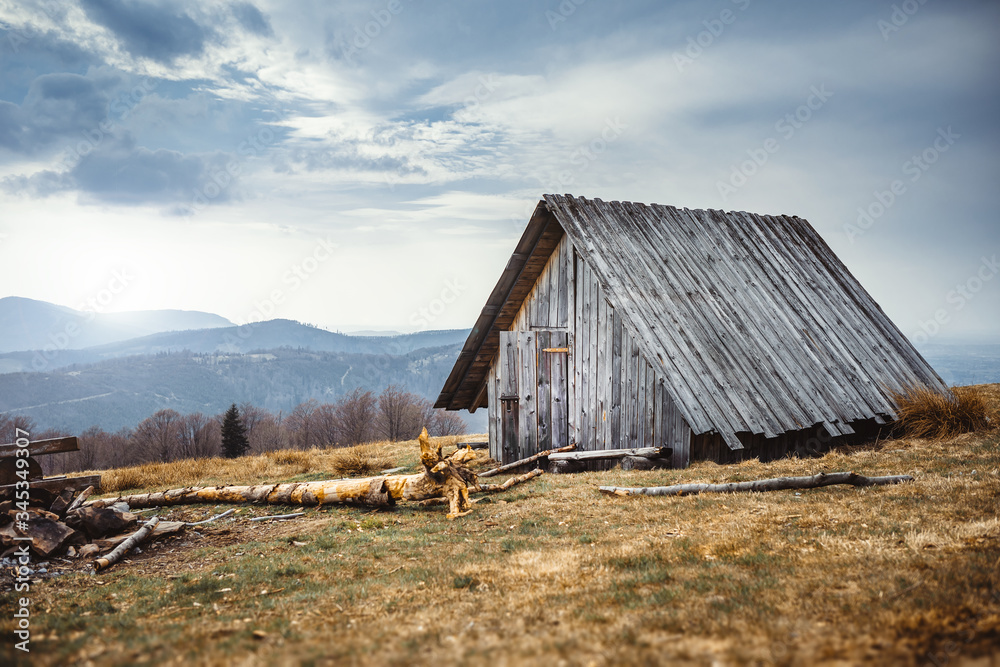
<point>28,324</point>
<point>85,371</point>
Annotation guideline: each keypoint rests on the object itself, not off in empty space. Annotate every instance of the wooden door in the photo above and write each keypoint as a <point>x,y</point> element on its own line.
<point>534,392</point>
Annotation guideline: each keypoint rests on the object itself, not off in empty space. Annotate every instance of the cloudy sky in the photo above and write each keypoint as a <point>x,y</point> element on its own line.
<point>370,164</point>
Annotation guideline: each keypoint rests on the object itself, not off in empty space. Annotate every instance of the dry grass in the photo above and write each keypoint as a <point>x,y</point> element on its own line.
<point>552,572</point>
<point>925,413</point>
<point>362,460</point>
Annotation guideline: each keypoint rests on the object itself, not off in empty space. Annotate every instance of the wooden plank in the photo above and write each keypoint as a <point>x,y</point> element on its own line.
<point>586,372</point>
<point>571,362</point>
<point>602,382</point>
<point>527,395</point>
<point>492,409</point>
<point>42,447</point>
<point>554,269</point>
<point>641,403</point>
<point>595,314</point>
<point>509,402</point>
<point>576,409</point>
<point>564,288</point>
<point>650,406</point>
<point>616,380</point>
<point>59,483</point>
<point>543,339</point>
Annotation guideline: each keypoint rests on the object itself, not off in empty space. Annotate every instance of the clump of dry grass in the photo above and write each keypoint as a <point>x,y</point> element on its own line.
<point>291,457</point>
<point>366,459</point>
<point>925,413</point>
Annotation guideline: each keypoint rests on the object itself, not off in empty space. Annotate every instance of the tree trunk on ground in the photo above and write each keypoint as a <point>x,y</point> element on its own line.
<point>123,548</point>
<point>775,484</point>
<point>369,491</point>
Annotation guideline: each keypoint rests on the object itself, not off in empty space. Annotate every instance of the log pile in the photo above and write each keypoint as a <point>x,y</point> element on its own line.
<point>63,526</point>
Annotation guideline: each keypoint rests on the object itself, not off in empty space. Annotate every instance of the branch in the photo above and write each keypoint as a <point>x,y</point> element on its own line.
<point>277,516</point>
<point>123,548</point>
<point>518,464</point>
<point>210,520</point>
<point>495,488</point>
<point>78,501</point>
<point>774,484</point>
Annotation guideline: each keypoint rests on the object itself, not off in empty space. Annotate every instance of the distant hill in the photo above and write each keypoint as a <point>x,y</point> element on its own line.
<point>28,324</point>
<point>122,392</point>
<point>233,340</point>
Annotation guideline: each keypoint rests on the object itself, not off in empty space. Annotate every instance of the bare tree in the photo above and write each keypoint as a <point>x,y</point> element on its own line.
<point>251,416</point>
<point>399,414</point>
<point>9,425</point>
<point>300,426</point>
<point>356,417</point>
<point>157,438</point>
<point>268,435</point>
<point>197,437</point>
<point>442,422</point>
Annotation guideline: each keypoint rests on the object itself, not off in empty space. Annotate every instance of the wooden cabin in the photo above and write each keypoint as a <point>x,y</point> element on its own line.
<point>720,335</point>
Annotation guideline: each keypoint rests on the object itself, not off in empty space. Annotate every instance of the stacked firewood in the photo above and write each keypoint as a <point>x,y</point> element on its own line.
<point>60,525</point>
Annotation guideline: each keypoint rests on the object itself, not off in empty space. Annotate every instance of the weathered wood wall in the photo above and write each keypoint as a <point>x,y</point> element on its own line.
<point>612,396</point>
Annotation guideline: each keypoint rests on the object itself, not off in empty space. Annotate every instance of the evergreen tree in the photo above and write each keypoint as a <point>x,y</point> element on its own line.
<point>234,434</point>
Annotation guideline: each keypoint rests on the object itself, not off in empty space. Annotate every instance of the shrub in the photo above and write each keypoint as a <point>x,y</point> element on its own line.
<point>364,459</point>
<point>926,413</point>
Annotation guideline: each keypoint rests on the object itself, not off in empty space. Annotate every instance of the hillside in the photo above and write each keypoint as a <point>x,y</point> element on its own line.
<point>122,392</point>
<point>28,324</point>
<point>233,340</point>
<point>552,572</point>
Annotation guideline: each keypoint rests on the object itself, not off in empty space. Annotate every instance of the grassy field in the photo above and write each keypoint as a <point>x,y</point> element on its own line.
<point>552,572</point>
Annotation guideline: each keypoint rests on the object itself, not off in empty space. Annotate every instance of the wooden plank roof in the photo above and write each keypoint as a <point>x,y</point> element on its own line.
<point>756,325</point>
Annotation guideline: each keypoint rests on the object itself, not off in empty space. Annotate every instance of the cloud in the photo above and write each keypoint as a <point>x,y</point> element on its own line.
<point>252,19</point>
<point>157,31</point>
<point>57,105</point>
<point>120,172</point>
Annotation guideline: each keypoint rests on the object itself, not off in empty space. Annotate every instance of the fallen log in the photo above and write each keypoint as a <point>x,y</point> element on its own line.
<point>523,462</point>
<point>605,454</point>
<point>370,491</point>
<point>773,484</point>
<point>123,548</point>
